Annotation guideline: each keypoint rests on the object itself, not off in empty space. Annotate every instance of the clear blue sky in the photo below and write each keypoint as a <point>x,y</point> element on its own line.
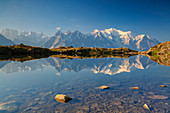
<point>150,17</point>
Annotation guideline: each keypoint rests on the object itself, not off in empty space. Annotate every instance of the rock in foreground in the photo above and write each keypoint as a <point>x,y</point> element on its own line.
<point>146,106</point>
<point>162,85</point>
<point>62,98</point>
<point>104,87</point>
<point>135,88</point>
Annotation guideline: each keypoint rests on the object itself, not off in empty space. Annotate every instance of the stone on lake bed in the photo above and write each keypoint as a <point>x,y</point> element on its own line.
<point>135,88</point>
<point>104,87</point>
<point>62,98</point>
<point>10,106</point>
<point>158,97</point>
<point>162,85</point>
<point>146,106</point>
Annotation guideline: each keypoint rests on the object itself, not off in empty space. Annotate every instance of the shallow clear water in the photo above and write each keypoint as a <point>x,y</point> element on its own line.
<point>31,86</point>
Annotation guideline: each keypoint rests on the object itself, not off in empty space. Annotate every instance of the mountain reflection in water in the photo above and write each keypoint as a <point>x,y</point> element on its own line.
<point>110,66</point>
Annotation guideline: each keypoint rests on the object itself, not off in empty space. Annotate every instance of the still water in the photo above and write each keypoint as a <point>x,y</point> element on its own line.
<point>31,86</point>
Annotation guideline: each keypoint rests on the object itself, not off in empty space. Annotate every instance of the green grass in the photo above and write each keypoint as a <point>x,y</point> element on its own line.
<point>166,59</point>
<point>157,56</point>
<point>156,51</point>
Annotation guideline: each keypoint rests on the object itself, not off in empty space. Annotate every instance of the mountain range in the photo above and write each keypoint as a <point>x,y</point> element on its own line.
<point>28,38</point>
<point>108,38</point>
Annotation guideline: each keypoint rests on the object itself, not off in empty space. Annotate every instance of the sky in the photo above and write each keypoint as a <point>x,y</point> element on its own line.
<point>151,17</point>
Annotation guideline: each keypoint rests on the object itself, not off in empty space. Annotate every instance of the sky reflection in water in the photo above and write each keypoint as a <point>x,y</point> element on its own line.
<point>32,85</point>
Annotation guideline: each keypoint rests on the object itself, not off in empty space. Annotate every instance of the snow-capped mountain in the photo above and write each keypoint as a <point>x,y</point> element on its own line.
<point>144,42</point>
<point>28,38</point>
<point>108,38</point>
<point>5,41</point>
<point>111,38</point>
<point>10,33</point>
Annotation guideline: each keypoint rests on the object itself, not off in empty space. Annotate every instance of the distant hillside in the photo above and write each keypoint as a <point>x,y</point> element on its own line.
<point>160,53</point>
<point>161,48</point>
<point>22,49</point>
<point>5,41</point>
<point>23,52</point>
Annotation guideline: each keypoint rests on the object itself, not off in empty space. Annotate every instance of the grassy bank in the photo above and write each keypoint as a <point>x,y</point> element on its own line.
<point>23,52</point>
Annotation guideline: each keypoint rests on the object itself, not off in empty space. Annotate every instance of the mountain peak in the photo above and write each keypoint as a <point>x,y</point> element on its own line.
<point>58,33</point>
<point>116,31</point>
<point>112,31</point>
<point>141,37</point>
<point>144,42</point>
<point>77,31</point>
<point>95,31</point>
<point>68,32</point>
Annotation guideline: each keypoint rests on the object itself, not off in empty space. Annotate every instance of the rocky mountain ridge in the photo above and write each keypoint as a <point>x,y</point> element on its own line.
<point>28,38</point>
<point>108,38</point>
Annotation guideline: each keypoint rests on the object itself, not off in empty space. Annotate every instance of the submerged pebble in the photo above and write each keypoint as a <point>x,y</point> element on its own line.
<point>62,98</point>
<point>135,88</point>
<point>146,106</point>
<point>158,97</point>
<point>162,85</point>
<point>104,87</point>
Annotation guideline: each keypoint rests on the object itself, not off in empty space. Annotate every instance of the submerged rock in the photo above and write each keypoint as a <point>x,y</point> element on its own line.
<point>162,85</point>
<point>135,88</point>
<point>62,98</point>
<point>104,87</point>
<point>146,106</point>
<point>158,97</point>
<point>11,105</point>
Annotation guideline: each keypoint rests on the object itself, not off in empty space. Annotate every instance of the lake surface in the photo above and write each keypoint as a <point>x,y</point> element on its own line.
<point>31,86</point>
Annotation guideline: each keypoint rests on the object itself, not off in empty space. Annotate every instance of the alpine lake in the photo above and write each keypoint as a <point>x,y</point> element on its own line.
<point>31,86</point>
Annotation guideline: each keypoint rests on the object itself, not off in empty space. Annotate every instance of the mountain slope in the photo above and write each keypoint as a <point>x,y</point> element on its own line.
<point>160,53</point>
<point>143,42</point>
<point>5,41</point>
